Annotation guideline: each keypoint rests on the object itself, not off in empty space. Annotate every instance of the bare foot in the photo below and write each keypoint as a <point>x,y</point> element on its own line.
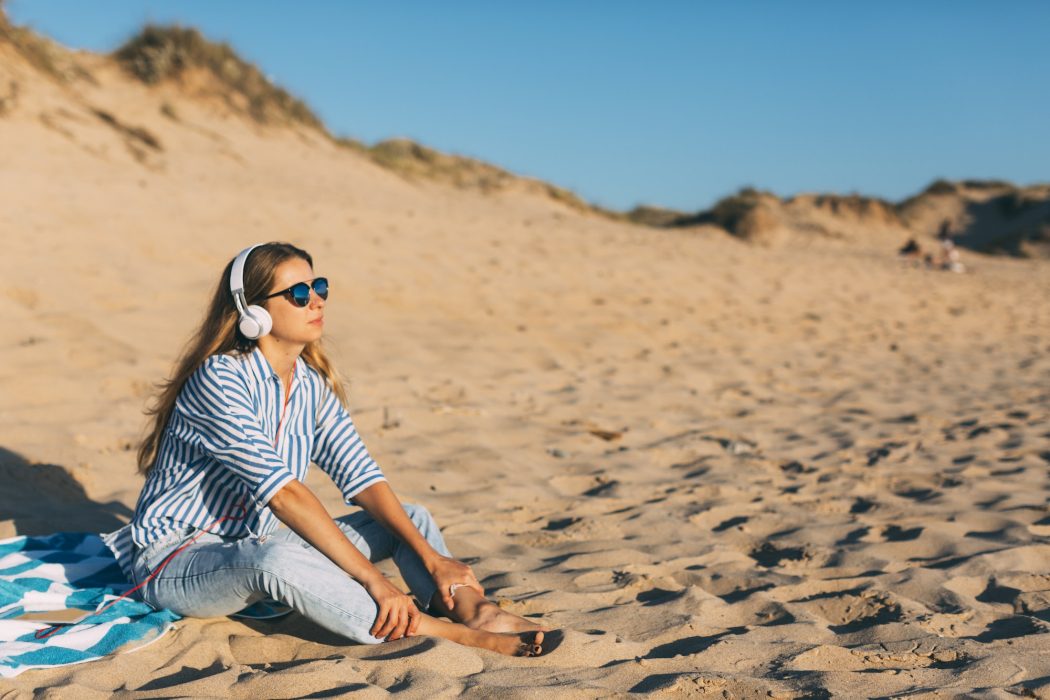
<point>492,618</point>
<point>511,643</point>
<point>520,643</point>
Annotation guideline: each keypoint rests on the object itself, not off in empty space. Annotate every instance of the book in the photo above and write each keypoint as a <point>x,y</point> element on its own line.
<point>62,616</point>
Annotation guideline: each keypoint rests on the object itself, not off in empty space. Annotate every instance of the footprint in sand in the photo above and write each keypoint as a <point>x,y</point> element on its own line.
<point>895,533</point>
<point>769,555</point>
<point>862,505</point>
<point>773,615</point>
<point>918,494</point>
<point>731,522</point>
<point>1026,594</point>
<point>889,655</point>
<point>688,646</point>
<point>851,610</point>
<point>1012,627</point>
<point>698,684</point>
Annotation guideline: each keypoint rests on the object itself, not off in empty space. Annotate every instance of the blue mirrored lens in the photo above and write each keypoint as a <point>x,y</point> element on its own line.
<point>301,293</point>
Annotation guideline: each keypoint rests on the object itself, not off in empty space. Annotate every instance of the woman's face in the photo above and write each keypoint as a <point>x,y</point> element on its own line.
<point>292,323</point>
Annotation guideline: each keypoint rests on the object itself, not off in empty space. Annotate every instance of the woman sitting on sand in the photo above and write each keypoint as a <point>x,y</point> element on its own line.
<point>253,401</point>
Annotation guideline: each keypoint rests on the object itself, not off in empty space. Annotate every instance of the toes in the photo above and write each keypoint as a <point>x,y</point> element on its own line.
<point>536,646</point>
<point>530,644</point>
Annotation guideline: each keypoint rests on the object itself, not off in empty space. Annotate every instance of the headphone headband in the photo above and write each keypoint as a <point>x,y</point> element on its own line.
<point>237,278</point>
<point>254,322</point>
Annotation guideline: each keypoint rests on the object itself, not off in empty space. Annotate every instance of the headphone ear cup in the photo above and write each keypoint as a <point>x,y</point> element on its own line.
<point>256,323</point>
<point>249,327</point>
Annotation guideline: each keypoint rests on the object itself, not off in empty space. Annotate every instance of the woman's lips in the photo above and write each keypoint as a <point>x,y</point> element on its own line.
<point>318,321</point>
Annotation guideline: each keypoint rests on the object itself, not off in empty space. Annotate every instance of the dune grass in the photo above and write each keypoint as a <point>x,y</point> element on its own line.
<point>413,160</point>
<point>42,53</point>
<point>158,53</point>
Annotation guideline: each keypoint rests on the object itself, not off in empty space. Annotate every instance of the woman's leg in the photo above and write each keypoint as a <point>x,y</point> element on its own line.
<point>477,612</point>
<point>510,644</point>
<point>218,576</point>
<point>377,543</point>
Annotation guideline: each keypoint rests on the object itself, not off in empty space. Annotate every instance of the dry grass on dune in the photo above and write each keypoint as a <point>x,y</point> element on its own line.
<point>160,53</point>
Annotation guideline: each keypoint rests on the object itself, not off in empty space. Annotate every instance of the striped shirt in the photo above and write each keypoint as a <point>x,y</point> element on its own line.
<point>234,438</point>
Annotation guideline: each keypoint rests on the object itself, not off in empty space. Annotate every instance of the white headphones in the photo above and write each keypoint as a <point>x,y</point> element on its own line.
<point>255,320</point>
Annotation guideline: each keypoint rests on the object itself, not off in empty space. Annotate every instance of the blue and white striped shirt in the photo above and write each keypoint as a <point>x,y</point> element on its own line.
<point>234,438</point>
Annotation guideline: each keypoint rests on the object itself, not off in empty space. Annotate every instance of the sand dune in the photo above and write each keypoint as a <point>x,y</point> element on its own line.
<point>988,216</point>
<point>723,469</point>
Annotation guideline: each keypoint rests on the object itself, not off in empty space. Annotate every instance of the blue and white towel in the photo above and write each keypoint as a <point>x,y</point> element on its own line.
<point>68,570</point>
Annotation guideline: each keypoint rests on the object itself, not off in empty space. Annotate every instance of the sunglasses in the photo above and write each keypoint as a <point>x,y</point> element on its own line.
<point>299,293</point>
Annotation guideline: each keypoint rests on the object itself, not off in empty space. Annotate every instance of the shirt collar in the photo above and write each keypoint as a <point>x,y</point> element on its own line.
<point>262,370</point>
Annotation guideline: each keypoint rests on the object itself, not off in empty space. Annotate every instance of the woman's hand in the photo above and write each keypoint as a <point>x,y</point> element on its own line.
<point>448,572</point>
<point>398,616</point>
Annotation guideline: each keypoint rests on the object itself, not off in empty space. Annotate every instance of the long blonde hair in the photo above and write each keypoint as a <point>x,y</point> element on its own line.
<point>218,334</point>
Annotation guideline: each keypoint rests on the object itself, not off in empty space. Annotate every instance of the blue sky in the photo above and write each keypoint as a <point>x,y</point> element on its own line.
<point>666,103</point>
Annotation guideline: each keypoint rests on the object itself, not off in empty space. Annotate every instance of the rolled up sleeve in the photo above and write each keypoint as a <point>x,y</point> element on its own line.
<point>216,404</point>
<point>339,451</point>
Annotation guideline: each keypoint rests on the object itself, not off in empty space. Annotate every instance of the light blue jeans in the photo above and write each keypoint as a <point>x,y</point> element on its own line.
<point>219,575</point>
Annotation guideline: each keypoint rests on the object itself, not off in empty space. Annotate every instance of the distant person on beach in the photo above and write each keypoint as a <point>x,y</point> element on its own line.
<point>911,251</point>
<point>949,253</point>
<point>253,401</point>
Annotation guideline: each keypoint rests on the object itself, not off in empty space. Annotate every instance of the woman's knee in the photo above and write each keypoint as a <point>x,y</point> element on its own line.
<point>427,527</point>
<point>308,581</point>
<point>420,517</point>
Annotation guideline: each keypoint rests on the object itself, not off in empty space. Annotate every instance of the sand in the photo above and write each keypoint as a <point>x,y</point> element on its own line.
<point>723,469</point>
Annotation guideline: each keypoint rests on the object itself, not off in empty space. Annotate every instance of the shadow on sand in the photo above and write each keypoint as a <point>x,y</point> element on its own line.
<point>40,499</point>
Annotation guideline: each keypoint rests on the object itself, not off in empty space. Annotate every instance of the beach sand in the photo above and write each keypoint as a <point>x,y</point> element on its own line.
<point>723,469</point>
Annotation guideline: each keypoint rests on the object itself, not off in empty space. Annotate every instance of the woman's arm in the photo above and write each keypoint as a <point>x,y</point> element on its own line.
<point>297,507</point>
<point>339,451</point>
<point>216,404</point>
<point>382,504</point>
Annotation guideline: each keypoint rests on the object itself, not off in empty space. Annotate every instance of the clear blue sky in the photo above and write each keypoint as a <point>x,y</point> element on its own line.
<point>667,103</point>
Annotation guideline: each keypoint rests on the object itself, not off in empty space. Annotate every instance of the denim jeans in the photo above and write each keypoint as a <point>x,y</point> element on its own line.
<point>219,575</point>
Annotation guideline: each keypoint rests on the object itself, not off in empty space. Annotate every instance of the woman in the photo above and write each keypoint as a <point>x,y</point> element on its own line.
<point>233,432</point>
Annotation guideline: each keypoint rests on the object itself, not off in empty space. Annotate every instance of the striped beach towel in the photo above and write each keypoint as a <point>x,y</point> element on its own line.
<point>68,570</point>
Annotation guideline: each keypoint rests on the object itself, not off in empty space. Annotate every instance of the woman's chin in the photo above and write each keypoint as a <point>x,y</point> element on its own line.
<point>300,338</point>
